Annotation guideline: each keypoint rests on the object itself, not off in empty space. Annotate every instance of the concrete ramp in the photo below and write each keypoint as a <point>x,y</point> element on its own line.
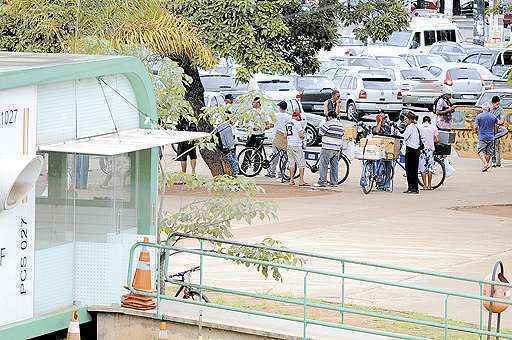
<point>115,323</point>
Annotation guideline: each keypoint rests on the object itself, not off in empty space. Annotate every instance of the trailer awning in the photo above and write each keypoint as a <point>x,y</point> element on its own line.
<point>123,142</point>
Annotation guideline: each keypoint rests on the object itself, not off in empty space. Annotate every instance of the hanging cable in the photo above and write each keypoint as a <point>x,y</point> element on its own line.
<point>108,105</point>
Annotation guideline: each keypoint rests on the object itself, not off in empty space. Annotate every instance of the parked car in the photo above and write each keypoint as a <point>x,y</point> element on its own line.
<point>462,82</point>
<point>419,88</point>
<point>393,61</point>
<point>313,121</point>
<point>271,84</point>
<point>455,51</point>
<point>313,90</point>
<point>491,80</point>
<point>364,61</point>
<point>497,61</point>
<point>369,91</point>
<point>422,59</point>
<point>504,94</point>
<point>221,82</point>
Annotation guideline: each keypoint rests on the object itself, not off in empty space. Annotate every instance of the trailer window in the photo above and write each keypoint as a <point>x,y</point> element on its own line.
<point>446,35</point>
<point>430,37</point>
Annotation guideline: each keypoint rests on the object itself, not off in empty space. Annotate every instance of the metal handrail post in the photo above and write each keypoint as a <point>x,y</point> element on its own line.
<point>342,292</point>
<point>481,310</point>
<point>305,319</point>
<point>158,282</point>
<point>201,270</point>
<point>446,316</point>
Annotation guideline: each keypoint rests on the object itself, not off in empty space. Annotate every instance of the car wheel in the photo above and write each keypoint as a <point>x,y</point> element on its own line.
<point>352,112</point>
<point>310,135</point>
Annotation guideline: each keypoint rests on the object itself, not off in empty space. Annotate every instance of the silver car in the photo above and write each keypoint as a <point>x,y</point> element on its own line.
<point>463,83</point>
<point>368,91</point>
<point>422,59</point>
<point>419,88</point>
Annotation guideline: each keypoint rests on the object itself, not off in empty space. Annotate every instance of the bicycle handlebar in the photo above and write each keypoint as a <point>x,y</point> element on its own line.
<point>185,272</point>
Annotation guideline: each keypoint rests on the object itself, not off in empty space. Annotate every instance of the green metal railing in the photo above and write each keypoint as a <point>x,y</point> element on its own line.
<point>305,302</point>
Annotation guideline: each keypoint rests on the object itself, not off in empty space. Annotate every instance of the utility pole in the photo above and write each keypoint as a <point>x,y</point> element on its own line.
<point>479,22</point>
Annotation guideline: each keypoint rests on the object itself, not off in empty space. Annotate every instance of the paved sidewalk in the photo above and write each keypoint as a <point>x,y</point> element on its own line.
<point>441,230</point>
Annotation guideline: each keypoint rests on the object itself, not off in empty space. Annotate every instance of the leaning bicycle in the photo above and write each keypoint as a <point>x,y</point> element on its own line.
<point>186,291</point>
<point>251,160</point>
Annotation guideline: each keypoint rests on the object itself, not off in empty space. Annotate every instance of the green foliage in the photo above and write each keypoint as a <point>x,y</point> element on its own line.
<point>375,19</point>
<point>270,36</point>
<point>229,199</point>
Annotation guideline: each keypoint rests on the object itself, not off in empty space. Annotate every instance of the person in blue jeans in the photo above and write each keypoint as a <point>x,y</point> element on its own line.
<point>332,137</point>
<point>485,125</point>
<point>226,143</point>
<point>384,167</point>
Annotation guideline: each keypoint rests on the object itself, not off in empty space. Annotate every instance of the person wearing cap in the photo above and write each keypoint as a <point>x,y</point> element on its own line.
<point>279,140</point>
<point>229,99</point>
<point>257,132</point>
<point>412,140</point>
<point>295,136</point>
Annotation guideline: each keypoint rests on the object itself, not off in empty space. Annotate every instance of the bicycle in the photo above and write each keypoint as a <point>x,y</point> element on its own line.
<point>252,160</point>
<point>189,292</point>
<point>309,156</point>
<point>374,171</point>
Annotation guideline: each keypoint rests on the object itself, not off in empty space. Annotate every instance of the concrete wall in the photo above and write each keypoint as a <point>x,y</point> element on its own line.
<point>117,326</point>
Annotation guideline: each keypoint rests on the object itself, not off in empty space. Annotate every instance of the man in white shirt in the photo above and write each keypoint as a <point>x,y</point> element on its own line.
<point>278,137</point>
<point>430,136</point>
<point>412,140</point>
<point>295,136</point>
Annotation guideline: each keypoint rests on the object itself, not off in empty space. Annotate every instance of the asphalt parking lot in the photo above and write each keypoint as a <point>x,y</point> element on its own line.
<point>461,228</point>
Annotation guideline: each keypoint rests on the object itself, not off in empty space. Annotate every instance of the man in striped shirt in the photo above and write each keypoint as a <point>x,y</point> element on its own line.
<point>332,138</point>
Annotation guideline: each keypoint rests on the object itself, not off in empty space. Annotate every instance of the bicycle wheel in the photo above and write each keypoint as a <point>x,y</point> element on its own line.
<point>284,165</point>
<point>343,169</point>
<point>197,297</point>
<point>250,162</point>
<point>368,176</point>
<point>439,175</point>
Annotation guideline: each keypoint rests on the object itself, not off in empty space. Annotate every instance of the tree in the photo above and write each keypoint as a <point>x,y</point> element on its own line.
<point>375,19</point>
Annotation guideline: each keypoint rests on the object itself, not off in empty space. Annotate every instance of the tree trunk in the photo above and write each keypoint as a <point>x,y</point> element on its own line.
<point>215,159</point>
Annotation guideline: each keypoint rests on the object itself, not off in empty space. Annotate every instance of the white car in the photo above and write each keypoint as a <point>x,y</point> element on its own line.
<point>422,59</point>
<point>272,85</point>
<point>369,91</point>
<point>463,82</point>
<point>393,61</point>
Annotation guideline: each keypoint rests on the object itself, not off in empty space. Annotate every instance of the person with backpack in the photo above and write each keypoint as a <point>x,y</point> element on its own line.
<point>413,147</point>
<point>226,144</point>
<point>443,109</point>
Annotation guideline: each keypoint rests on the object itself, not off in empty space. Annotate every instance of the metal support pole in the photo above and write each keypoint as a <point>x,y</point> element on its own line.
<point>342,291</point>
<point>481,310</point>
<point>158,283</point>
<point>446,317</point>
<point>304,321</point>
<point>201,271</point>
<point>498,324</point>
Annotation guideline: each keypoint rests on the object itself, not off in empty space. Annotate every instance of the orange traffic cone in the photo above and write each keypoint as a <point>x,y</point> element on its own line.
<point>142,277</point>
<point>74,327</point>
<point>162,335</point>
<point>141,281</point>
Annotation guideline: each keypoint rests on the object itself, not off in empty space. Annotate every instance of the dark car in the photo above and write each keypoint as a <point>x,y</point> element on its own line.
<point>498,61</point>
<point>455,51</point>
<point>313,91</point>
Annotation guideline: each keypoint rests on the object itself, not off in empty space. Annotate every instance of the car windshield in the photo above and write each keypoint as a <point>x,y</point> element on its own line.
<point>367,62</point>
<point>486,60</point>
<point>393,61</point>
<point>378,84</point>
<point>464,73</point>
<point>400,39</point>
<point>417,74</point>
<point>348,41</point>
<point>430,59</point>
<point>275,85</point>
<point>506,99</point>
<point>216,83</point>
<point>315,83</point>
